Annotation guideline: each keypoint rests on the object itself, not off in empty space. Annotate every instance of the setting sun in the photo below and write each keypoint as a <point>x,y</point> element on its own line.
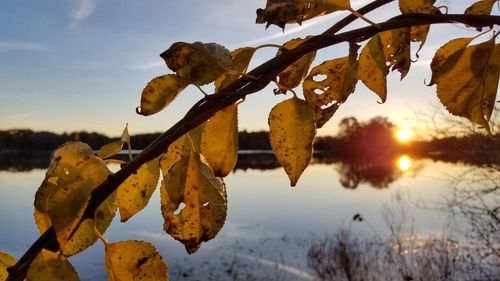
<point>404,134</point>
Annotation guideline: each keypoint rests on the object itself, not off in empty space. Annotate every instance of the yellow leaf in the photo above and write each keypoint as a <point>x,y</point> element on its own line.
<point>468,87</point>
<point>281,12</point>
<point>372,69</point>
<point>180,148</point>
<point>292,131</point>
<point>66,205</point>
<point>110,149</point>
<point>199,63</point>
<point>134,260</point>
<point>219,140</point>
<point>240,60</point>
<point>84,235</point>
<point>293,75</point>
<point>160,92</point>
<point>51,266</point>
<point>341,76</point>
<point>396,44</point>
<point>134,193</point>
<point>416,6</point>
<point>446,51</point>
<point>481,7</point>
<point>203,196</point>
<point>6,261</point>
<point>73,173</point>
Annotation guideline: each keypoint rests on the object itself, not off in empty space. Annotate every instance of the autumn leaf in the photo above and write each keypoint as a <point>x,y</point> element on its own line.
<point>483,7</point>
<point>134,193</point>
<point>467,82</point>
<point>281,12</point>
<point>293,75</point>
<point>160,92</point>
<point>340,78</point>
<point>110,149</point>
<point>6,261</point>
<point>180,148</point>
<point>51,266</point>
<point>219,141</point>
<point>444,53</point>
<point>292,131</point>
<point>372,69</point>
<point>240,60</point>
<point>134,260</point>
<point>203,196</point>
<point>396,44</point>
<point>199,63</point>
<point>418,33</point>
<point>61,199</point>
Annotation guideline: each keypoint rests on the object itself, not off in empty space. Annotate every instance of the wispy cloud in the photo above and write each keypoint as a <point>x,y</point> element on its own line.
<point>84,9</point>
<point>148,65</point>
<point>22,45</point>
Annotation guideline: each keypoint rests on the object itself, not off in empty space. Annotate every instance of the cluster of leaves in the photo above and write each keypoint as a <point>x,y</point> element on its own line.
<point>192,190</point>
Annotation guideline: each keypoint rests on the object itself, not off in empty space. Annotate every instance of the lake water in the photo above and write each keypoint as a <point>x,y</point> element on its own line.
<point>271,228</point>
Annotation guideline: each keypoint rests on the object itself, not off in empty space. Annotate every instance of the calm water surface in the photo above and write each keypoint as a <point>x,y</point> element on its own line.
<point>270,226</point>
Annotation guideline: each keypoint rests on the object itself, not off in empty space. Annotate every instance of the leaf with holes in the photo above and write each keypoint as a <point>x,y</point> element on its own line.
<point>193,202</point>
<point>396,44</point>
<point>6,261</point>
<point>199,63</point>
<point>281,12</point>
<point>219,140</point>
<point>160,92</point>
<point>418,33</point>
<point>483,7</point>
<point>292,131</point>
<point>372,69</point>
<point>73,173</point>
<point>134,260</point>
<point>134,193</point>
<point>442,55</point>
<point>341,76</point>
<point>51,266</point>
<point>240,60</point>
<point>468,87</point>
<point>180,148</point>
<point>293,75</point>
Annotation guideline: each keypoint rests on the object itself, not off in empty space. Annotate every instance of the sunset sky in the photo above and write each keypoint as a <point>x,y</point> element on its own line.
<point>81,64</point>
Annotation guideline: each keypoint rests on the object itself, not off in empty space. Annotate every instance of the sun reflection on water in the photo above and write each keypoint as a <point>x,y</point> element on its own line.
<point>404,163</point>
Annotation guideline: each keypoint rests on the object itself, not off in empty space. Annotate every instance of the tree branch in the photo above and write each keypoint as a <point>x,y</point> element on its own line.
<point>237,90</point>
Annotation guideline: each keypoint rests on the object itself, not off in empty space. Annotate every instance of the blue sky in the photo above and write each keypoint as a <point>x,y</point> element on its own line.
<point>71,65</point>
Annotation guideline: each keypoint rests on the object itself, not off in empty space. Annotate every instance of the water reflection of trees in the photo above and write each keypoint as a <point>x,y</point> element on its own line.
<point>467,249</point>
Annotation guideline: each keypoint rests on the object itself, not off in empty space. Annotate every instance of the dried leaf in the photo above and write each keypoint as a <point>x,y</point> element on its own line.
<point>191,182</point>
<point>293,75</point>
<point>6,261</point>
<point>134,260</point>
<point>372,68</point>
<point>51,266</point>
<point>134,193</point>
<point>240,60</point>
<point>396,44</point>
<point>468,87</point>
<point>281,12</point>
<point>444,53</point>
<point>160,92</point>
<point>418,33</point>
<point>341,76</point>
<point>199,63</point>
<point>110,149</point>
<point>219,141</point>
<point>483,7</point>
<point>292,131</point>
